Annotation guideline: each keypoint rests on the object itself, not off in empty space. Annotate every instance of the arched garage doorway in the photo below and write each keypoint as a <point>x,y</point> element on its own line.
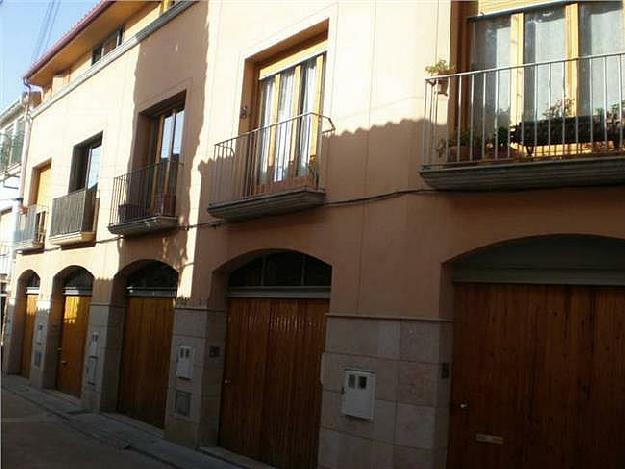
<point>31,294</point>
<point>271,400</point>
<point>148,328</point>
<point>538,374</point>
<point>77,284</point>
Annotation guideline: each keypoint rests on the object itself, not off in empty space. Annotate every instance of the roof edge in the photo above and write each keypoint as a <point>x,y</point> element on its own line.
<point>86,20</point>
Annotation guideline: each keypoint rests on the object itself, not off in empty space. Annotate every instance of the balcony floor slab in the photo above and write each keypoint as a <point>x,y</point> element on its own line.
<point>143,225</point>
<point>589,171</point>
<point>267,204</point>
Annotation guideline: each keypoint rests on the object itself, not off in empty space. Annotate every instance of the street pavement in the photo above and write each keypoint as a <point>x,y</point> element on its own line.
<point>35,438</point>
<point>45,429</point>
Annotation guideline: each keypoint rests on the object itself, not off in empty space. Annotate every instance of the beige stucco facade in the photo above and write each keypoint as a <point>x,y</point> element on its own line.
<point>388,236</point>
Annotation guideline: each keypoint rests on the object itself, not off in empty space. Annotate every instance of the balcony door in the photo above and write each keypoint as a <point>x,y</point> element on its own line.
<point>167,130</point>
<point>601,78</point>
<point>288,117</point>
<point>86,165</point>
<point>544,41</point>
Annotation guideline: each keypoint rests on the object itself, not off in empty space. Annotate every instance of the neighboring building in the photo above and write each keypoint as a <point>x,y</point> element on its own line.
<point>13,131</point>
<point>256,227</point>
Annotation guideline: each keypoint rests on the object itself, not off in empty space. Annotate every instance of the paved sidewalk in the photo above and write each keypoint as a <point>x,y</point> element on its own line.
<point>115,442</point>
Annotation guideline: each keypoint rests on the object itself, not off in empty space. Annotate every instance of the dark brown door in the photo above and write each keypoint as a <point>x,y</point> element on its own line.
<point>272,390</point>
<point>145,359</point>
<point>538,377</point>
<point>73,337</point>
<point>29,329</point>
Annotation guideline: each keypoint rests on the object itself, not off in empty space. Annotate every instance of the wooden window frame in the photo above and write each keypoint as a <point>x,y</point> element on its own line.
<point>82,152</point>
<point>98,52</point>
<point>291,59</point>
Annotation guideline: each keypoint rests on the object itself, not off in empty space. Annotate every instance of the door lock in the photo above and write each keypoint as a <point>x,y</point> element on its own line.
<point>463,405</point>
<point>63,362</point>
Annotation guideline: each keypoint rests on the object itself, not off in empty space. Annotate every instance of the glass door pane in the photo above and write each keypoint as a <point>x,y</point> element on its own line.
<point>94,166</point>
<point>307,106</point>
<point>167,136</point>
<point>264,133</point>
<point>544,33</point>
<point>178,126</point>
<point>601,32</point>
<point>489,94</point>
<point>285,125</point>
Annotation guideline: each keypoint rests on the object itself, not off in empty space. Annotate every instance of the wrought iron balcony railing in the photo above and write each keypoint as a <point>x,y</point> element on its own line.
<point>561,110</point>
<point>270,160</point>
<point>31,227</point>
<point>74,213</point>
<point>10,151</point>
<point>147,193</point>
<point>6,258</point>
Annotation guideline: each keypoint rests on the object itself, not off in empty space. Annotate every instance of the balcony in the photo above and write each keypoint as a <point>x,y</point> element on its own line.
<point>31,228</point>
<point>144,200</point>
<point>270,170</point>
<point>11,154</point>
<point>74,217</point>
<point>547,124</point>
<point>6,259</point>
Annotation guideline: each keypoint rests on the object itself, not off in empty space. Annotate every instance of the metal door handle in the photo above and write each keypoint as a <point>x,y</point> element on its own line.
<point>227,381</point>
<point>464,405</point>
<point>63,362</point>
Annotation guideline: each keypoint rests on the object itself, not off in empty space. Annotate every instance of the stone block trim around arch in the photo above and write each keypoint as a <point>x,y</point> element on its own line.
<point>20,325</point>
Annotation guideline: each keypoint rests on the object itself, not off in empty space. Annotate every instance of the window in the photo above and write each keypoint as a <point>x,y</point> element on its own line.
<point>168,4</point>
<point>110,43</point>
<point>491,49</point>
<point>544,40</point>
<point>290,101</point>
<point>167,129</point>
<point>86,165</point>
<point>11,144</point>
<point>601,32</point>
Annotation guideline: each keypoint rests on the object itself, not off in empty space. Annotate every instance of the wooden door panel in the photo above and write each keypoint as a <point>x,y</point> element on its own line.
<point>246,352</point>
<point>144,375</point>
<point>272,391</point>
<point>73,338</point>
<point>27,338</point>
<point>536,366</point>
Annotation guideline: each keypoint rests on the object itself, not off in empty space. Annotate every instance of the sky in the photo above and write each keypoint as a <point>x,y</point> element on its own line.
<point>20,25</point>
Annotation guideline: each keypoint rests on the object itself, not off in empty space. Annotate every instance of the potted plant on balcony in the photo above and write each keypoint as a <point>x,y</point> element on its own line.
<point>440,69</point>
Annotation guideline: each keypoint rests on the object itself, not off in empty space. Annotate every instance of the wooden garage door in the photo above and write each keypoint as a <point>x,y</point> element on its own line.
<point>72,350</point>
<point>538,377</point>
<point>29,329</point>
<point>272,390</point>
<point>145,359</point>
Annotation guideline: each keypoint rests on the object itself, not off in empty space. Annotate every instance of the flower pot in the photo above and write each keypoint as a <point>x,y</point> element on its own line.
<point>442,86</point>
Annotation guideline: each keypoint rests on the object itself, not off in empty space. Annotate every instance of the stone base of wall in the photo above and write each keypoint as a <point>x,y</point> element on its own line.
<point>411,362</point>
<point>205,332</point>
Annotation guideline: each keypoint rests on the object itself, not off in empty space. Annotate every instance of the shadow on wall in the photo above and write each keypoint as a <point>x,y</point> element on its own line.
<point>168,66</point>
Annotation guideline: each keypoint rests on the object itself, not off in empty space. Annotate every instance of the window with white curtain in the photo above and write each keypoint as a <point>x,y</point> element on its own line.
<point>490,92</point>
<point>601,78</point>
<point>289,104</point>
<point>544,41</point>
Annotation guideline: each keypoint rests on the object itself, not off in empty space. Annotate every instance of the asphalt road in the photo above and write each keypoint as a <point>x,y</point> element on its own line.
<point>34,438</point>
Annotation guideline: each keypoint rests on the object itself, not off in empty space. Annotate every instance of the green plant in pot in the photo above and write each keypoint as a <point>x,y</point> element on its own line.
<point>440,69</point>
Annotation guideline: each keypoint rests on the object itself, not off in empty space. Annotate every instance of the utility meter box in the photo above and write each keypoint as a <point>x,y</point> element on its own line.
<point>39,337</point>
<point>93,345</point>
<point>184,362</point>
<point>358,394</point>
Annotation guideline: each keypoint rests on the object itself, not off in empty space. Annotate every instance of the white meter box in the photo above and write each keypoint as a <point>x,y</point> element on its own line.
<point>184,362</point>
<point>358,394</point>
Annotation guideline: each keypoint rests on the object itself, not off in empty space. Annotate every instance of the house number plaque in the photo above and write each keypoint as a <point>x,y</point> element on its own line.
<point>492,439</point>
